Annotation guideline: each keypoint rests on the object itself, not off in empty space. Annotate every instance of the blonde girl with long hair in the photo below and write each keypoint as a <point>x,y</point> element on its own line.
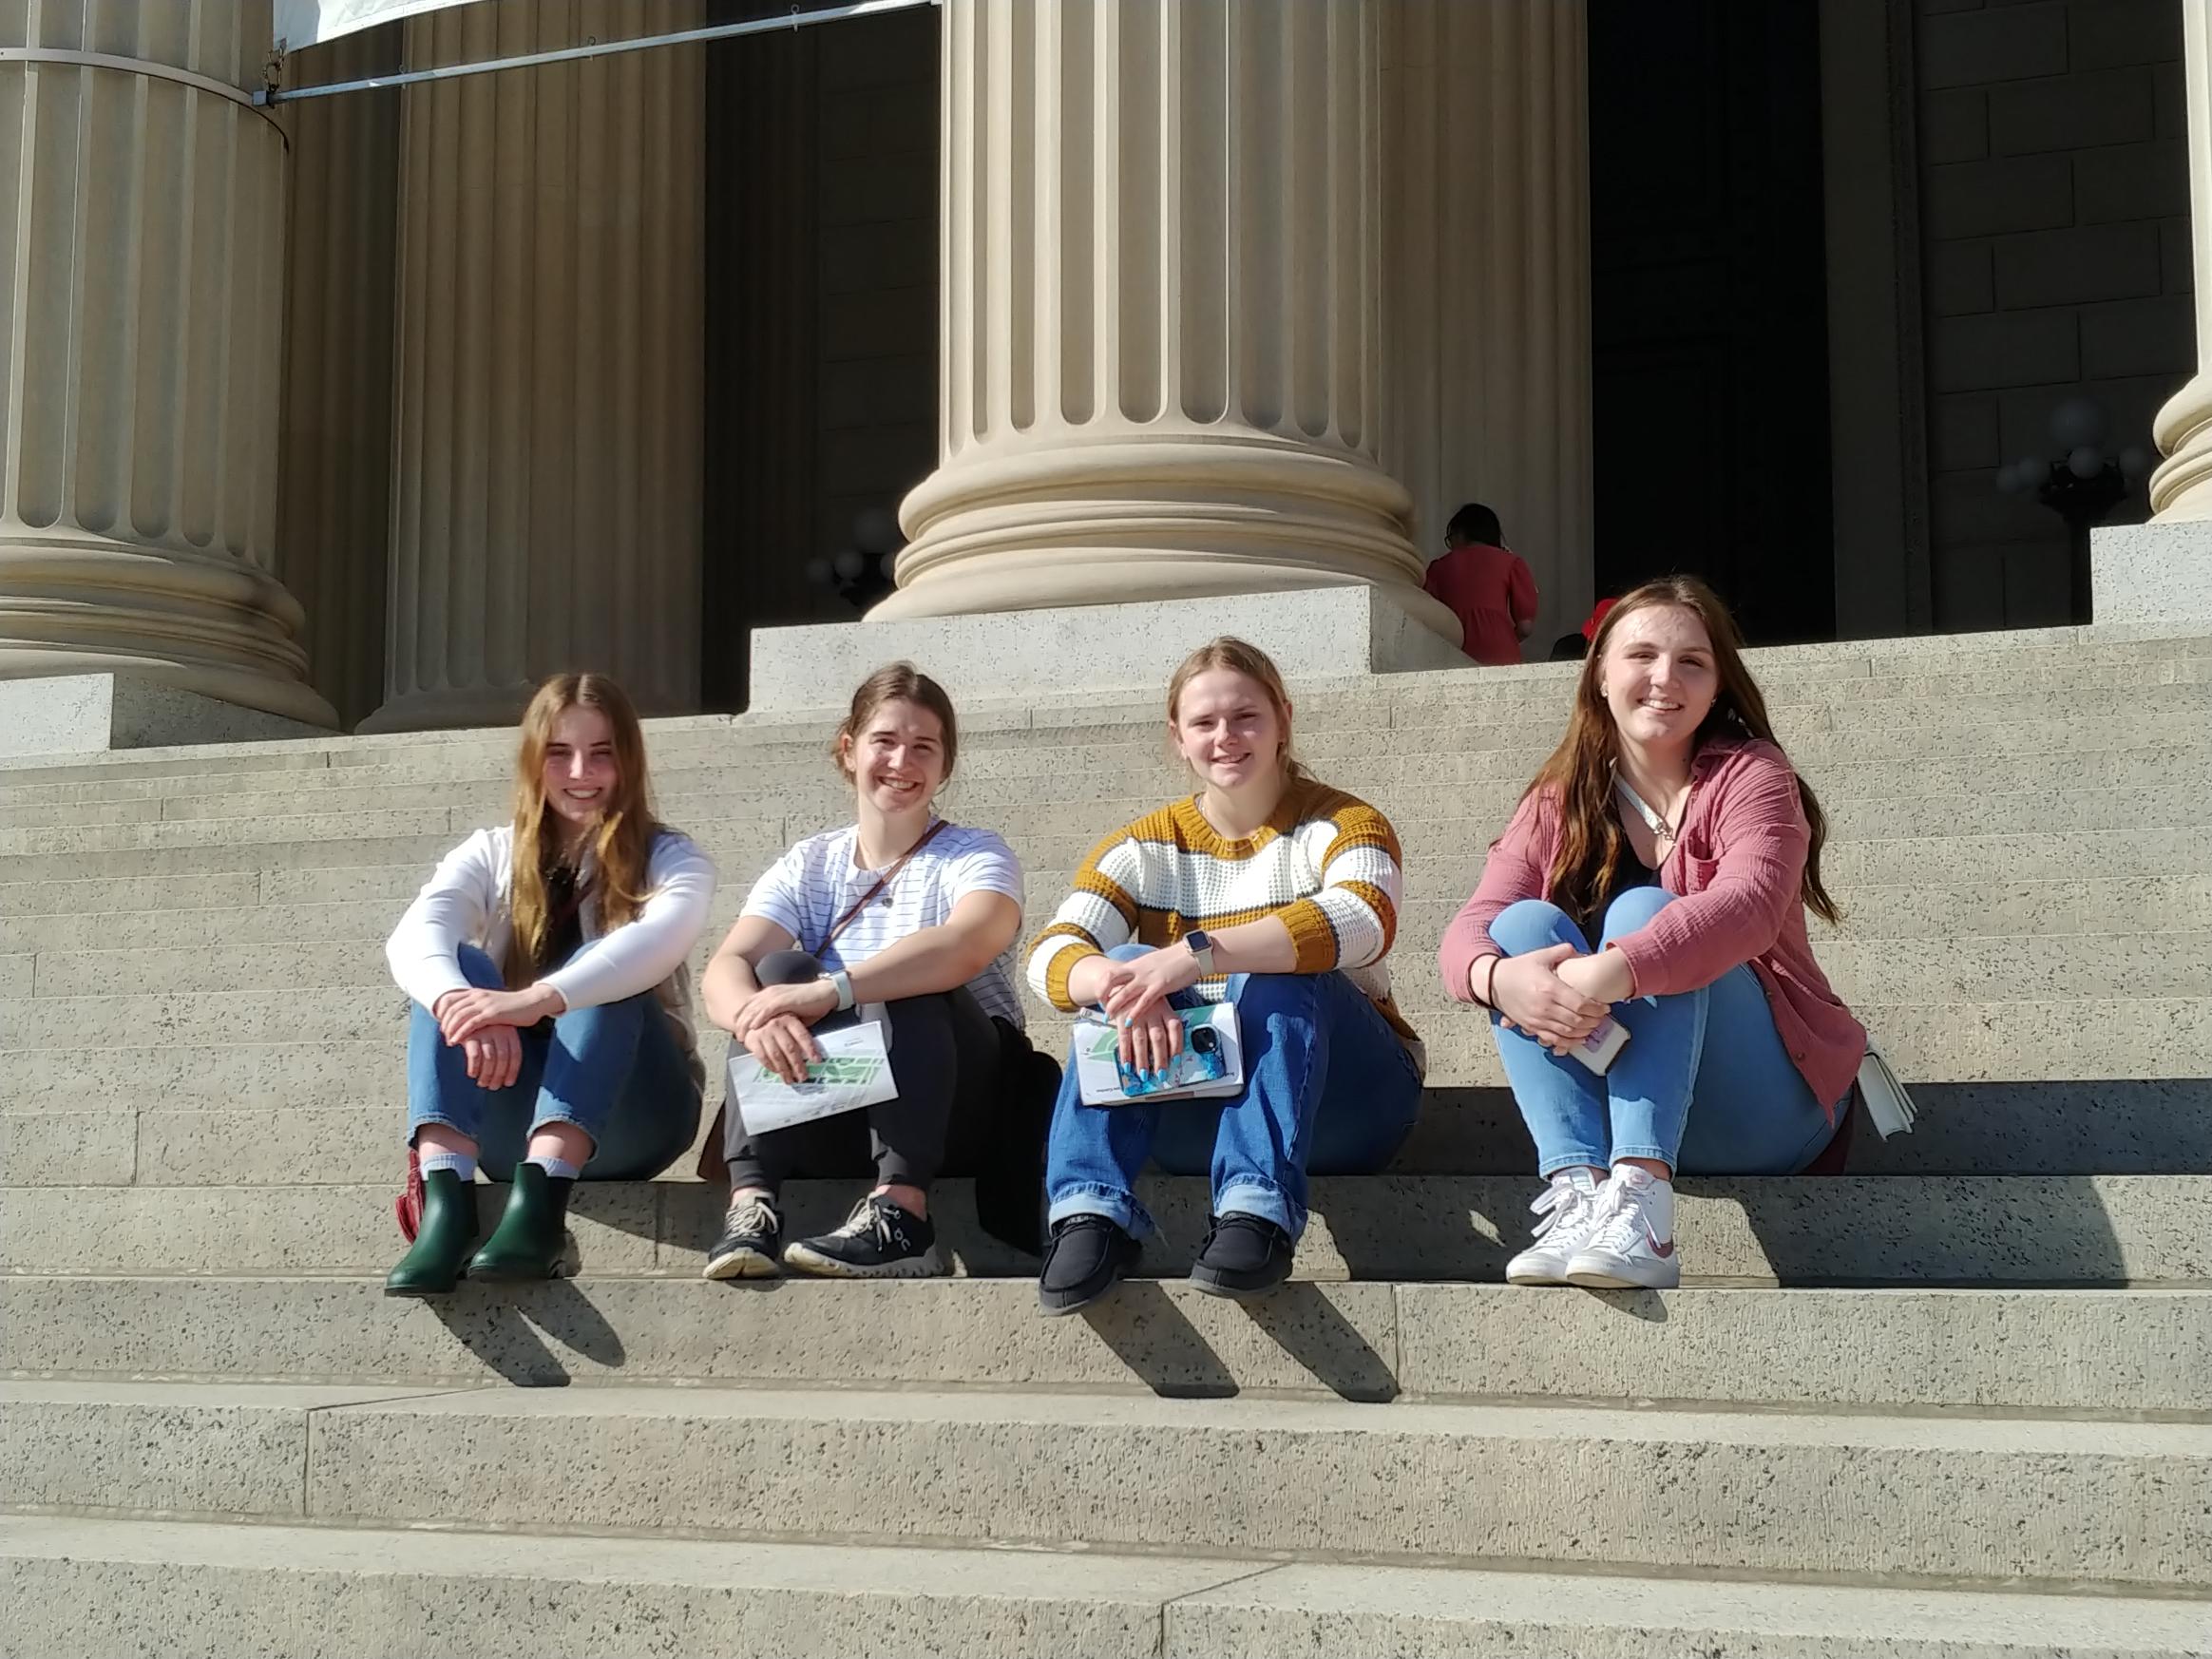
<point>1264,887</point>
<point>551,1036</point>
<point>1658,870</point>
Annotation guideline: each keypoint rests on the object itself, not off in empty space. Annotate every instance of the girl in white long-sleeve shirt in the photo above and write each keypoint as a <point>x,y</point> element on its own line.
<point>589,906</point>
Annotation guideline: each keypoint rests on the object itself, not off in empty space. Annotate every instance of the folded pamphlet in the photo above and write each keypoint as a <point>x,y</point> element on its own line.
<point>1211,1066</point>
<point>854,1071</point>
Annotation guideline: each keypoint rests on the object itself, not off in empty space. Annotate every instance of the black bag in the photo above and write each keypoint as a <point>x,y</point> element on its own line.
<point>1010,1172</point>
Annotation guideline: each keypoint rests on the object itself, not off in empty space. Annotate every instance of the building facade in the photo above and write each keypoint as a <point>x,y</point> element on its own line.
<point>375,408</point>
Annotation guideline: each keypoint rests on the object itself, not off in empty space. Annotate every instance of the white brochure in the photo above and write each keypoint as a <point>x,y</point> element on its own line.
<point>853,1072</point>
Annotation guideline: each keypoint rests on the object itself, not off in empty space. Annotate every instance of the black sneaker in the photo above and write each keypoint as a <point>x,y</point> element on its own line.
<point>747,1249</point>
<point>878,1240</point>
<point>1242,1256</point>
<point>1086,1255</point>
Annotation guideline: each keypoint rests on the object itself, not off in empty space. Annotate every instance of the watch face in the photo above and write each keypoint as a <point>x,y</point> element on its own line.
<point>1199,943</point>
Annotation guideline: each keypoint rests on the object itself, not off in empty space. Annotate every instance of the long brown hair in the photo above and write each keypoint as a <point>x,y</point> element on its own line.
<point>896,682</point>
<point>622,845</point>
<point>1579,775</point>
<point>1239,656</point>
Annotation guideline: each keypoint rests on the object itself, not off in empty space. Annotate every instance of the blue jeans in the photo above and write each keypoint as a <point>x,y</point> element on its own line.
<point>616,1071</point>
<point>1330,1089</point>
<point>1714,1049</point>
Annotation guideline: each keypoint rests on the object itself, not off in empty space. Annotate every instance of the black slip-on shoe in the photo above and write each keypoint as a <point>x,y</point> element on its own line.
<point>1243,1256</point>
<point>1086,1254</point>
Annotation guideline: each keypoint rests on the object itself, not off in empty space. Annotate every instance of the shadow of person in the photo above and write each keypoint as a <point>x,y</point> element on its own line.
<point>506,1327</point>
<point>1304,1321</point>
<point>1159,1344</point>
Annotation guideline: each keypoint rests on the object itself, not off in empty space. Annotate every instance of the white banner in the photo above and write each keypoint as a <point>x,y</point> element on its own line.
<point>304,23</point>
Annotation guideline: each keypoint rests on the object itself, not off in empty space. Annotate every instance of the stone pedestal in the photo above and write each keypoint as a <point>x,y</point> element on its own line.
<point>1161,339</point>
<point>141,234</point>
<point>1486,274</point>
<point>545,509</point>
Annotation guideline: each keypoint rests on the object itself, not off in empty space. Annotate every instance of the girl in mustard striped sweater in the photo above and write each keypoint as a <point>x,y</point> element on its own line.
<point>1266,888</point>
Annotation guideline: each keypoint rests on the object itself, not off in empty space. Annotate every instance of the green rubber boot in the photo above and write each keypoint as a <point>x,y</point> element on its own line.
<point>441,1242</point>
<point>530,1237</point>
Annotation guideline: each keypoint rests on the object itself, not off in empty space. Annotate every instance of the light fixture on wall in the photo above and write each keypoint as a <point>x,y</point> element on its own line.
<point>861,573</point>
<point>2082,484</point>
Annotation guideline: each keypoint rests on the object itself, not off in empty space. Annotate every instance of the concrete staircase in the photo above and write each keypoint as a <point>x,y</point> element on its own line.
<point>1956,1404</point>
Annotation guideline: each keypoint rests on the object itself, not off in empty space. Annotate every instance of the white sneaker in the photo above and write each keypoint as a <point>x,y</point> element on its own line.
<point>1632,1245</point>
<point>1569,1207</point>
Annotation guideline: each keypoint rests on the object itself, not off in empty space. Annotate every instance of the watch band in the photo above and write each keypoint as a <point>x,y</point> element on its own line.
<point>841,982</point>
<point>1201,944</point>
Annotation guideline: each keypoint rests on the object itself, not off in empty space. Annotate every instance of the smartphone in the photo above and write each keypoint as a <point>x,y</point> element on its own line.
<point>1200,1061</point>
<point>1602,1046</point>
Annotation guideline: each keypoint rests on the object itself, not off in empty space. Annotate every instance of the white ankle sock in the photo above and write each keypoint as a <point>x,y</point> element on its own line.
<point>560,1169</point>
<point>462,1164</point>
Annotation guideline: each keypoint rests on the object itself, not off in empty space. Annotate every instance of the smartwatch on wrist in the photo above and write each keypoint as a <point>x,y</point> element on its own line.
<point>1202,947</point>
<point>841,982</point>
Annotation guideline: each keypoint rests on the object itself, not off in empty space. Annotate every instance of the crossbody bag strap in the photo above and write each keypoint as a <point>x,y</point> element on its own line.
<point>883,882</point>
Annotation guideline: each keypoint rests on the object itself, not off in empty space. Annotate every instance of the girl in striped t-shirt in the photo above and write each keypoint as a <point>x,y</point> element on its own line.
<point>1266,888</point>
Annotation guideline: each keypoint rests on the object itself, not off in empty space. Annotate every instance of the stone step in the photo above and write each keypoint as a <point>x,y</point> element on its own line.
<point>303,1592</point>
<point>1933,972</point>
<point>1444,859</point>
<point>1131,775</point>
<point>2107,1353</point>
<point>1908,1229</point>
<point>48,1039</point>
<point>162,914</point>
<point>210,1124</point>
<point>2059,1501</point>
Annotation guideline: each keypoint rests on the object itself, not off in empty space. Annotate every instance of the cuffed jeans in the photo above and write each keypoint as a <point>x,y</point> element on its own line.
<point>1330,1090</point>
<point>1704,1084</point>
<point>616,1071</point>
<point>944,1056</point>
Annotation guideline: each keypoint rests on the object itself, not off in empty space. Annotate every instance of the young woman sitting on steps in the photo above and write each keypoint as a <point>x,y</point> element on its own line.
<point>1668,828</point>
<point>589,906</point>
<point>1267,889</point>
<point>900,908</point>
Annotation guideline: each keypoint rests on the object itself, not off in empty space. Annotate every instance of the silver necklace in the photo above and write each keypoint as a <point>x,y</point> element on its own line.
<point>1657,825</point>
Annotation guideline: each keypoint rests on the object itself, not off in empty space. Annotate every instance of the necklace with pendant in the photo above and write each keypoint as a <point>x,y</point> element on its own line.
<point>1660,828</point>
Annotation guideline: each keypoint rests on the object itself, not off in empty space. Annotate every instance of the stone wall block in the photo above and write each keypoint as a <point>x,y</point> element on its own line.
<point>1980,199</point>
<point>1971,49</point>
<point>2113,107</point>
<point>2076,267</point>
<point>2033,347</point>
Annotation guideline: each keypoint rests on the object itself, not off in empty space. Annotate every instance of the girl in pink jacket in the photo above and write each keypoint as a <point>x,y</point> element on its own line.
<point>1669,828</point>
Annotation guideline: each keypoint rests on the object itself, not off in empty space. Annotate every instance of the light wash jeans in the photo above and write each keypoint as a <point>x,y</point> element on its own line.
<point>1330,1090</point>
<point>616,1071</point>
<point>1704,1084</point>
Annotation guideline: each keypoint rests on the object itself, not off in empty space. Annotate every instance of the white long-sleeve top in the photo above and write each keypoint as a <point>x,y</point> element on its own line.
<point>467,901</point>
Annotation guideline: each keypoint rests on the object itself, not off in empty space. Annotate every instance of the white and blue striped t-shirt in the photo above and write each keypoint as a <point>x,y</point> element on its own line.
<point>817,880</point>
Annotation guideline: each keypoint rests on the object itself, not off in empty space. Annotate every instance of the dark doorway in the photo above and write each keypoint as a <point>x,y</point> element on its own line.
<point>1709,306</point>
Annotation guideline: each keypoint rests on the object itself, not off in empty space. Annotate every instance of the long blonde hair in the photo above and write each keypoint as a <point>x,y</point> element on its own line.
<point>621,847</point>
<point>1239,656</point>
<point>1579,774</point>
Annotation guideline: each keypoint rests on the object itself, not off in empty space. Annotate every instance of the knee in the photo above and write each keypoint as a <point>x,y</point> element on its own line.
<point>1530,925</point>
<point>788,967</point>
<point>1265,996</point>
<point>1634,909</point>
<point>479,969</point>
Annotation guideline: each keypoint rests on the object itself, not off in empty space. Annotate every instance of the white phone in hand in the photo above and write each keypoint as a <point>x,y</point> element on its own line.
<point>1602,1046</point>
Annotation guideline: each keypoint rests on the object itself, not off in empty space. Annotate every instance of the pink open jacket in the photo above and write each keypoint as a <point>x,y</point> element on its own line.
<point>1736,870</point>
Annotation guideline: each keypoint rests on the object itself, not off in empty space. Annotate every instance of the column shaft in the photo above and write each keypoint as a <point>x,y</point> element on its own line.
<point>545,496</point>
<point>1161,328</point>
<point>2182,488</point>
<point>141,234</point>
<point>1487,257</point>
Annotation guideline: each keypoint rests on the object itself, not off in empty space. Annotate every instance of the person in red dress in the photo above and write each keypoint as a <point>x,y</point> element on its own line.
<point>1486,585</point>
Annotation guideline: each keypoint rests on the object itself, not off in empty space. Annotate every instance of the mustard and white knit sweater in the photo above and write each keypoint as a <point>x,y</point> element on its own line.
<point>1325,864</point>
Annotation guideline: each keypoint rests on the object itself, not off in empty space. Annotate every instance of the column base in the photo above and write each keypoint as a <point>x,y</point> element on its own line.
<point>2155,573</point>
<point>90,713</point>
<point>1122,650</point>
<point>444,711</point>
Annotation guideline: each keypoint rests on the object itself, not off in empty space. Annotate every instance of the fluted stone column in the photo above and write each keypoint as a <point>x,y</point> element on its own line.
<point>545,496</point>
<point>1486,272</point>
<point>141,234</point>
<point>1161,342</point>
<point>2181,486</point>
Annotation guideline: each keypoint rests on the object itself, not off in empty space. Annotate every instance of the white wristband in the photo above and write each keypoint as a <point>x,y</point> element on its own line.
<point>841,982</point>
